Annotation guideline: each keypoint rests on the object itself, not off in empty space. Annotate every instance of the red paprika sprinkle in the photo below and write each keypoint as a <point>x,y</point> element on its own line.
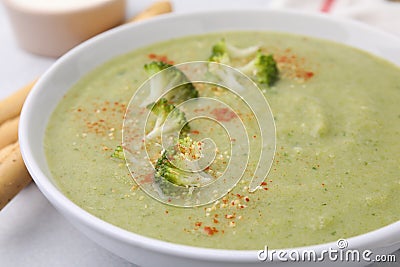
<point>223,114</point>
<point>162,58</point>
<point>210,230</point>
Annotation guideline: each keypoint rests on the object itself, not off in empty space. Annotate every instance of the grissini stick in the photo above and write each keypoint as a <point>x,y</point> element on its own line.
<point>9,132</point>
<point>11,106</point>
<point>13,174</point>
<point>155,9</point>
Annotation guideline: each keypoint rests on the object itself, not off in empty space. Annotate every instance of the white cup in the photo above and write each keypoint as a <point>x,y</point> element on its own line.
<point>52,27</point>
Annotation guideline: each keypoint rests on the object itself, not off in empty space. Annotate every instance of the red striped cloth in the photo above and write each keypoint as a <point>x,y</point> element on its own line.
<point>326,5</point>
<point>383,14</point>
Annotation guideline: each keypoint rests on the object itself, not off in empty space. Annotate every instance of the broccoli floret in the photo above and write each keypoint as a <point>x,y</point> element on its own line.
<point>222,52</point>
<point>166,171</point>
<point>178,166</point>
<point>118,153</point>
<point>263,68</point>
<point>170,77</point>
<point>219,53</point>
<point>162,109</point>
<point>156,66</point>
<point>236,52</point>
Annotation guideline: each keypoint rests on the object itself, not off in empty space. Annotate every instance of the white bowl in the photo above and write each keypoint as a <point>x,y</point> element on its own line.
<point>69,69</point>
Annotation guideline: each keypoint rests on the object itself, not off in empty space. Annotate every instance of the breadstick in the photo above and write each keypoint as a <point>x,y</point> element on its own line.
<point>155,9</point>
<point>4,152</point>
<point>11,106</point>
<point>13,174</point>
<point>9,132</point>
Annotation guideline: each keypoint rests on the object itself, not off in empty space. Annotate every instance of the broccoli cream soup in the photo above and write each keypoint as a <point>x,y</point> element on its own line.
<point>336,169</point>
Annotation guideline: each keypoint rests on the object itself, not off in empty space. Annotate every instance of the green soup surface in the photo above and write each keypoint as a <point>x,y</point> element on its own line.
<point>336,172</point>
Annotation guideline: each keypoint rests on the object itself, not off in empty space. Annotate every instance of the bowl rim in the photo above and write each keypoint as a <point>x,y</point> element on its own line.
<point>62,203</point>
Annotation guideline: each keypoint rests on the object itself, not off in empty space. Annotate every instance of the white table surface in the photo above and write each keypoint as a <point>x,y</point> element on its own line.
<point>32,232</point>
